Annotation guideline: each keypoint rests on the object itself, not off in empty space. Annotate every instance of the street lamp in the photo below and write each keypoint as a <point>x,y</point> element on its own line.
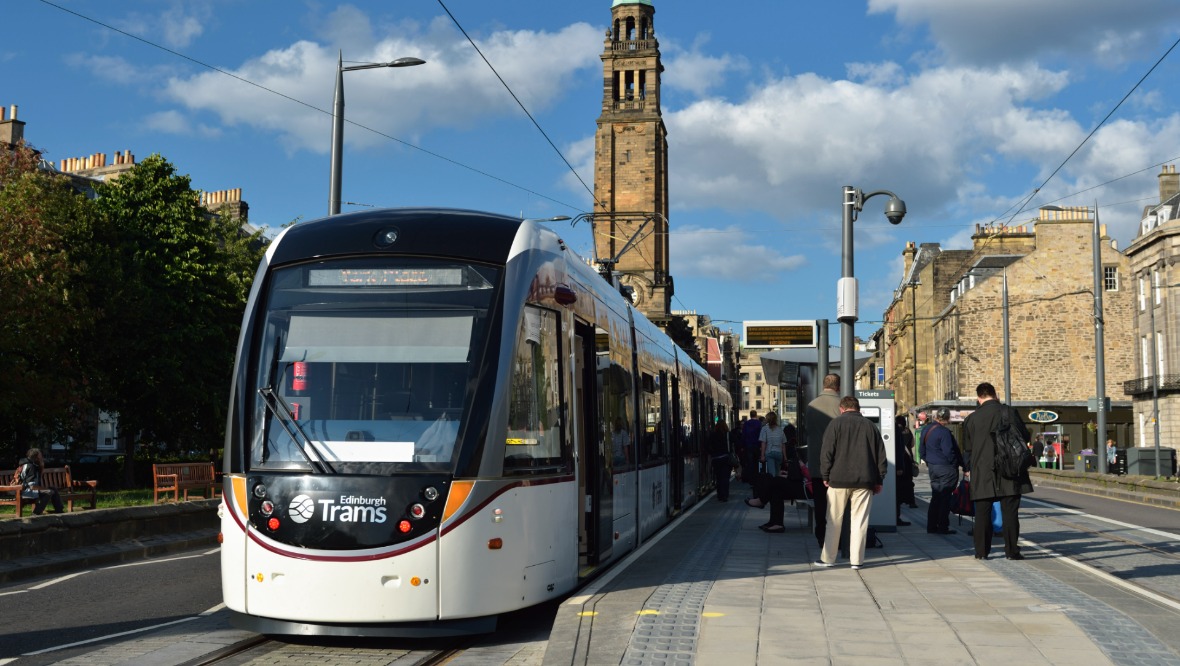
<point>338,121</point>
<point>846,291</point>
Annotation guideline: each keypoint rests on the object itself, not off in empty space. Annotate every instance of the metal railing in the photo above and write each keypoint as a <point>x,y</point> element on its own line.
<point>1142,385</point>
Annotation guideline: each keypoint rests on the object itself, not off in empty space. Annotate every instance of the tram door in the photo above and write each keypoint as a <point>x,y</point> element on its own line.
<point>676,447</point>
<point>596,519</point>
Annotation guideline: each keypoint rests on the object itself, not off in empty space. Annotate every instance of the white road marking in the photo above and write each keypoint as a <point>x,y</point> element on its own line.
<point>1112,521</point>
<point>110,636</point>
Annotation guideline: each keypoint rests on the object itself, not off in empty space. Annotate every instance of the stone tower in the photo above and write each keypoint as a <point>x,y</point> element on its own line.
<point>631,160</point>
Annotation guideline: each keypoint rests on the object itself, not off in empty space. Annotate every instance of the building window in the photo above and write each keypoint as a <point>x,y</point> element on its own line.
<point>758,405</point>
<point>1110,278</point>
<point>757,376</point>
<point>1142,295</point>
<point>745,376</point>
<point>1155,285</point>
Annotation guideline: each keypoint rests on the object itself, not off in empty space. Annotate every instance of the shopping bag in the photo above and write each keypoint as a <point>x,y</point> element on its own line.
<point>961,503</point>
<point>997,518</point>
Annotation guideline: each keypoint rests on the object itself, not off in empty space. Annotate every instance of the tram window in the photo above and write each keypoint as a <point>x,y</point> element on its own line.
<point>373,371</point>
<point>534,441</point>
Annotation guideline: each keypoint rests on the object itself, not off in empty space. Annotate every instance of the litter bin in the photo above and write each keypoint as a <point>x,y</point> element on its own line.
<point>1085,462</point>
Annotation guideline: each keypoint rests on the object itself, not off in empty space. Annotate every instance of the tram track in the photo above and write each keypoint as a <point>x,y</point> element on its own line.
<point>261,650</point>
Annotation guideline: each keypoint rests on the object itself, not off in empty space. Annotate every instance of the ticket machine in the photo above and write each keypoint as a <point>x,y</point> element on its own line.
<point>879,407</point>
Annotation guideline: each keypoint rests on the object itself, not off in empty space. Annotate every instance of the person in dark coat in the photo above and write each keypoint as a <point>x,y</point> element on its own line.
<point>719,457</point>
<point>987,486</point>
<point>943,460</point>
<point>853,466</point>
<point>903,454</point>
<point>820,412</point>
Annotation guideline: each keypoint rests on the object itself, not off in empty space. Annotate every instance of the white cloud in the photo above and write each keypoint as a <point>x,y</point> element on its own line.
<point>696,71</point>
<point>975,31</point>
<point>727,254</point>
<point>176,27</point>
<point>115,69</point>
<point>454,88</point>
<point>781,150</point>
<point>174,122</point>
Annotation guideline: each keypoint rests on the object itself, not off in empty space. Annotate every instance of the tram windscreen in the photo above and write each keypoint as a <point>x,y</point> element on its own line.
<point>372,359</point>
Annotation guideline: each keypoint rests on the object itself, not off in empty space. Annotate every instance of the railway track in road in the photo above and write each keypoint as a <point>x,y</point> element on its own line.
<point>261,651</point>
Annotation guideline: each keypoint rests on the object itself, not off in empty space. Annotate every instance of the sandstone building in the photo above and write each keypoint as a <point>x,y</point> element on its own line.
<point>1046,268</point>
<point>1154,278</point>
<point>630,215</point>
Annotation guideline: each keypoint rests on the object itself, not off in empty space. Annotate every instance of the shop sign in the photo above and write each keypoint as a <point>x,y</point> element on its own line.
<point>1042,416</point>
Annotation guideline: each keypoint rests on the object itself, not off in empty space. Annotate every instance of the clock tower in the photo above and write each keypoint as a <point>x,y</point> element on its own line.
<point>631,160</point>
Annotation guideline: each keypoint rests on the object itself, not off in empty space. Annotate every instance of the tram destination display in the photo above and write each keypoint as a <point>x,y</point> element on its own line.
<point>779,334</point>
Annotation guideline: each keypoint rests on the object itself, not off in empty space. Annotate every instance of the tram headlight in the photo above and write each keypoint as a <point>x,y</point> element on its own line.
<point>430,493</point>
<point>260,491</point>
<point>417,511</point>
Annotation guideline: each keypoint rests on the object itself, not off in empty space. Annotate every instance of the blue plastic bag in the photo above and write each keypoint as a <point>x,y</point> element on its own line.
<point>997,518</point>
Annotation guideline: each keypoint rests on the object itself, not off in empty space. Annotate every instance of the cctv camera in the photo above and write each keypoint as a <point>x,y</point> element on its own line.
<point>895,210</point>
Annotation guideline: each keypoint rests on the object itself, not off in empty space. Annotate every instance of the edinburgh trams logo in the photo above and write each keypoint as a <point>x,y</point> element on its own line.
<point>345,509</point>
<point>301,509</point>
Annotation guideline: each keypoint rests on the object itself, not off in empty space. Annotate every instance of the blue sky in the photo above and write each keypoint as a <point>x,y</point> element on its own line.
<point>962,108</point>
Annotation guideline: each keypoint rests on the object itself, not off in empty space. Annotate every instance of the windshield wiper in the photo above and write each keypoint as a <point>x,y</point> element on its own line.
<point>282,411</point>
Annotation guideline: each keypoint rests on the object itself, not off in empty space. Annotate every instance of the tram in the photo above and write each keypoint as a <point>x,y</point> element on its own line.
<point>439,416</point>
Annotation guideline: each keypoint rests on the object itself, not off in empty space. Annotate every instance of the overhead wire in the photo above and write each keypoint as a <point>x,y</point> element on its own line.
<point>313,107</point>
<point>517,99</point>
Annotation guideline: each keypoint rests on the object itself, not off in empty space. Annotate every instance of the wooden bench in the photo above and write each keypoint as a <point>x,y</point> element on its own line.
<point>178,478</point>
<point>51,477</point>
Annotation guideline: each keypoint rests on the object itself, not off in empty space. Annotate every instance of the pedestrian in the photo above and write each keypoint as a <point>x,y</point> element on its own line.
<point>853,466</point>
<point>819,413</point>
<point>1038,448</point>
<point>750,434</point>
<point>903,455</point>
<point>773,442</point>
<point>28,475</point>
<point>1112,456</point>
<point>943,460</point>
<point>738,448</point>
<point>987,485</point>
<point>923,419</point>
<point>719,457</point>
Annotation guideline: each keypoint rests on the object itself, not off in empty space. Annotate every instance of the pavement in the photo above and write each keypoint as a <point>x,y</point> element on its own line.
<point>714,589</point>
<point>717,590</point>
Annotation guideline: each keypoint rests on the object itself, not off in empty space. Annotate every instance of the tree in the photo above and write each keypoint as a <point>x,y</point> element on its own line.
<point>171,282</point>
<point>681,333</point>
<point>44,303</point>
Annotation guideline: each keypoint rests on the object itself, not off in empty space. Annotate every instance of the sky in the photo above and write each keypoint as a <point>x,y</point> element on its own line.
<point>968,110</point>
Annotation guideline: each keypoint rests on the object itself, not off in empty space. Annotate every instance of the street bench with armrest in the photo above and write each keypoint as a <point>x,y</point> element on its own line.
<point>51,477</point>
<point>177,478</point>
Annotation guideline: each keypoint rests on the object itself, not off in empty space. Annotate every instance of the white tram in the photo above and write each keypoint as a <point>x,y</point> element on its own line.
<point>438,416</point>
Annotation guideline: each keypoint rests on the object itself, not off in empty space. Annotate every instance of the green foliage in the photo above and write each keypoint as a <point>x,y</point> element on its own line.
<point>45,304</point>
<point>130,303</point>
<point>170,283</point>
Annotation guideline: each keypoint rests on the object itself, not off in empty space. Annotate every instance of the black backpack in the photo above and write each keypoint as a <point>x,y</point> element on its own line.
<point>1012,455</point>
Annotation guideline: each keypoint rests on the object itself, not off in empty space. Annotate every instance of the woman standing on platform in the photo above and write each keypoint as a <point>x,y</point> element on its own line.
<point>774,444</point>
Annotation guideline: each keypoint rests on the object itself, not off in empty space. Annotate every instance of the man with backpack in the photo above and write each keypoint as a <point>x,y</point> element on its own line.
<point>989,482</point>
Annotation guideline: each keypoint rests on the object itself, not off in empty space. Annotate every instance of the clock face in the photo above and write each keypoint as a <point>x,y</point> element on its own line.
<point>636,289</point>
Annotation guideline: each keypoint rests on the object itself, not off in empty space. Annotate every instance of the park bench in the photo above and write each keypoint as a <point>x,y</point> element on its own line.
<point>178,478</point>
<point>51,477</point>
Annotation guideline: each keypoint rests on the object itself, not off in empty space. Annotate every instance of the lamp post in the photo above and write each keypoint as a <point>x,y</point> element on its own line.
<point>846,290</point>
<point>338,121</point>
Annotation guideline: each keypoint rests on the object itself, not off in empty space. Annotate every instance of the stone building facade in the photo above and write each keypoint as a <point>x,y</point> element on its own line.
<point>1048,269</point>
<point>1155,280</point>
<point>907,338</point>
<point>630,215</point>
